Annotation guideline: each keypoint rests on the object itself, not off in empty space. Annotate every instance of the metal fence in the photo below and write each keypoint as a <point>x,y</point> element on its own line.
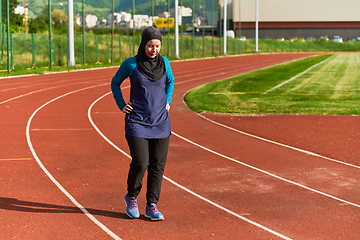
<point>33,50</point>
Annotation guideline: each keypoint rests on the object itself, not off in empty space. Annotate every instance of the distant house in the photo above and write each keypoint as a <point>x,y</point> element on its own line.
<point>90,20</point>
<point>126,20</point>
<point>19,10</point>
<point>122,18</point>
<point>23,11</point>
<point>102,22</point>
<point>184,13</point>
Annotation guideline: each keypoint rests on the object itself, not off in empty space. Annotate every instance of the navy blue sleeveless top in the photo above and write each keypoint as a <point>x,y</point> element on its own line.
<point>149,118</point>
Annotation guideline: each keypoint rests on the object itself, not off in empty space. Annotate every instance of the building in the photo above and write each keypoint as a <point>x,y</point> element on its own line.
<point>141,21</point>
<point>295,18</point>
<point>122,18</point>
<point>184,14</point>
<point>126,20</point>
<point>90,20</point>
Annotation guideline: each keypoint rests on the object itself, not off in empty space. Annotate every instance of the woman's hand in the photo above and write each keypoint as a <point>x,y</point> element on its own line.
<point>167,107</point>
<point>128,108</point>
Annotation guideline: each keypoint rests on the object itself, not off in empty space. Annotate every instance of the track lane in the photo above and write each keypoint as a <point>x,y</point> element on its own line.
<point>29,202</point>
<point>188,167</point>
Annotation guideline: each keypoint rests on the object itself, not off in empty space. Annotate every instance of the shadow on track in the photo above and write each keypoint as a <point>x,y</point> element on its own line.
<point>13,204</point>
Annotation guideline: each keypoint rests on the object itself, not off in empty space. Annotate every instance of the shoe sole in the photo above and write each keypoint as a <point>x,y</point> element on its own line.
<point>128,213</point>
<point>154,219</point>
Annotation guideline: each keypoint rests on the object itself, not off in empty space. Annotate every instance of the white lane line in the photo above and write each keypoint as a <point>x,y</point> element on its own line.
<point>62,189</point>
<point>280,144</point>
<point>178,185</point>
<point>267,173</point>
<point>42,83</point>
<point>227,210</point>
<point>61,72</point>
<point>41,90</point>
<point>293,78</point>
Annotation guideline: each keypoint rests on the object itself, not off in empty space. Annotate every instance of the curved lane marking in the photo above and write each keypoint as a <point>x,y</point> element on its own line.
<point>279,144</point>
<point>42,90</point>
<point>267,173</point>
<point>62,189</point>
<point>178,185</point>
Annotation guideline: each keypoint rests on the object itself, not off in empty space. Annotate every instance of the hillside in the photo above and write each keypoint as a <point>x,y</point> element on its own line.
<point>101,8</point>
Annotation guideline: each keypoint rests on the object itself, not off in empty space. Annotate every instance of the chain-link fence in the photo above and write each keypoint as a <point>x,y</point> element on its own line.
<point>32,50</point>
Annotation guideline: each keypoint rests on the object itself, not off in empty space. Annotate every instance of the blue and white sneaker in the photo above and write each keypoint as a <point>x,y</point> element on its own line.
<point>153,213</point>
<point>132,209</point>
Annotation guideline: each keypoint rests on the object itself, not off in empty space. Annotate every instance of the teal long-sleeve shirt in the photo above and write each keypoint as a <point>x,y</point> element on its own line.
<point>125,70</point>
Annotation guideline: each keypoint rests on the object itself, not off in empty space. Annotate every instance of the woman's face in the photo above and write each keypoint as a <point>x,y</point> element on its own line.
<point>152,48</point>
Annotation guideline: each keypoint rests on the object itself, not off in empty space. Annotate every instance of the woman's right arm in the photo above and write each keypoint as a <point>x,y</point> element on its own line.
<point>122,73</point>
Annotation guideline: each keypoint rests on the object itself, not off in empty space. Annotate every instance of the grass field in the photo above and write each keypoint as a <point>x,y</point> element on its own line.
<point>331,87</point>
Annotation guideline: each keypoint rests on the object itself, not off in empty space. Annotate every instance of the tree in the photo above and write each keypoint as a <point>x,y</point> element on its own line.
<point>59,21</point>
<point>59,18</point>
<point>41,23</point>
<point>15,19</point>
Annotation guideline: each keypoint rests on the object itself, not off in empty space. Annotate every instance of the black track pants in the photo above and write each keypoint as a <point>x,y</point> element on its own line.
<point>148,154</point>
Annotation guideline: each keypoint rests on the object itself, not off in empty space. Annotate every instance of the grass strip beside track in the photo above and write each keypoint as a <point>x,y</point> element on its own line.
<point>331,87</point>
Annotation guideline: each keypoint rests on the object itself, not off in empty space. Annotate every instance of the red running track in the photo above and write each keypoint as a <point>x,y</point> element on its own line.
<point>64,163</point>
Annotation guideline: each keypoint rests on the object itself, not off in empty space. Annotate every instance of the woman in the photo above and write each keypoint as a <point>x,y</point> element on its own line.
<point>147,123</point>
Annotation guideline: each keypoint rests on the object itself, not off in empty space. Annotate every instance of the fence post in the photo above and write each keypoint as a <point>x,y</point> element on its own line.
<point>97,49</point>
<point>33,50</point>
<point>12,52</point>
<point>130,45</point>
<point>50,36</point>
<point>108,49</point>
<point>120,48</point>
<point>2,42</point>
<point>83,22</point>
<point>8,35</point>
<point>290,45</point>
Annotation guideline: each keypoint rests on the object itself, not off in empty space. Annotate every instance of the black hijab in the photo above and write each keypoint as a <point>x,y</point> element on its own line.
<point>152,68</point>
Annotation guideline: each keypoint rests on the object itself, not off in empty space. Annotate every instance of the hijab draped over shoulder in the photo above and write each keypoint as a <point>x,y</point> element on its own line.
<point>152,68</point>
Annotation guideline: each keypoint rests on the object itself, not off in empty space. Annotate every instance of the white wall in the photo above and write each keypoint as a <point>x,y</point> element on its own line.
<point>297,10</point>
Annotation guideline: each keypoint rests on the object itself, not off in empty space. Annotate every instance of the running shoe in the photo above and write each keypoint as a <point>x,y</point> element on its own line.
<point>153,213</point>
<point>132,209</point>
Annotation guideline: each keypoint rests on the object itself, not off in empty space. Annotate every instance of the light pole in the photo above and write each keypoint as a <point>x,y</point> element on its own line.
<point>133,11</point>
<point>50,37</point>
<point>176,29</point>
<point>83,29</point>
<point>71,61</point>
<point>225,17</point>
<point>8,35</point>
<point>257,26</point>
<point>112,31</point>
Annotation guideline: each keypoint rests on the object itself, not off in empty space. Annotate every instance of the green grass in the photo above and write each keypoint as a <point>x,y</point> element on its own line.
<point>332,87</point>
